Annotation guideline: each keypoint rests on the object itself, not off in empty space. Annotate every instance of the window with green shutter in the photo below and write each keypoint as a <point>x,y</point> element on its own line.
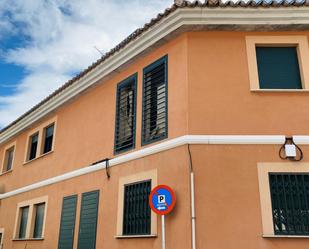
<point>290,203</point>
<point>39,220</point>
<point>125,115</point>
<point>278,67</point>
<point>88,220</point>
<point>154,120</point>
<point>24,211</point>
<point>67,224</point>
<point>136,213</point>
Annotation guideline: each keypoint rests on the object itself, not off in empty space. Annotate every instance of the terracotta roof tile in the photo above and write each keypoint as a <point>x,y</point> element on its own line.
<point>178,4</point>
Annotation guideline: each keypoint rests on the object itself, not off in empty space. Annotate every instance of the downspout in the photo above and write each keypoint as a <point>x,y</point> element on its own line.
<point>192,191</point>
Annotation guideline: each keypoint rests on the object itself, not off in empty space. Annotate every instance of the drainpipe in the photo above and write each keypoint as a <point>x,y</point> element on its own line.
<point>192,191</point>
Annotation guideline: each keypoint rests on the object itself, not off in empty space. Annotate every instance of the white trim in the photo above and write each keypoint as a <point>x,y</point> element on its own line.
<point>187,16</point>
<point>167,145</point>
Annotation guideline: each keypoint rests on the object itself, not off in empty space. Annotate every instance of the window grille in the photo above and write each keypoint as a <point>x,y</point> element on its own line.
<point>137,215</point>
<point>155,102</point>
<point>125,115</point>
<point>290,203</point>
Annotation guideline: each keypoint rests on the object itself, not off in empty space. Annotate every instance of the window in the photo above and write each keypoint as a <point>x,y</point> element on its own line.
<point>284,195</point>
<point>8,158</point>
<point>278,68</point>
<point>125,115</point>
<point>41,140</point>
<point>136,214</point>
<point>134,218</point>
<point>30,219</point>
<point>39,219</point>
<point>33,146</point>
<point>278,62</point>
<point>48,138</point>
<point>290,203</point>
<point>154,123</point>
<point>24,211</point>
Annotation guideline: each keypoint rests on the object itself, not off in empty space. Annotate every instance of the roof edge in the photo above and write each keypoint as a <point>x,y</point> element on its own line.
<point>148,36</point>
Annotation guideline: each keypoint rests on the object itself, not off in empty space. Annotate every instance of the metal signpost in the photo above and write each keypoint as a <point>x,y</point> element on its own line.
<point>162,201</point>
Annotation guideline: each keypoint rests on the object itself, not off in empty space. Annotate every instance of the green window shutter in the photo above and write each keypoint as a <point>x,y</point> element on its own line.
<point>39,220</point>
<point>67,224</point>
<point>278,68</point>
<point>88,220</point>
<point>23,222</point>
<point>125,115</point>
<point>154,121</point>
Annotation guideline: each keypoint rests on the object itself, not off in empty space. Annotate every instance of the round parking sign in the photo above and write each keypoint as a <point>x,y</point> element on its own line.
<point>162,199</point>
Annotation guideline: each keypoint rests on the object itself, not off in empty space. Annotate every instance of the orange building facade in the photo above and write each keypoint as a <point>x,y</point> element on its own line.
<point>188,101</point>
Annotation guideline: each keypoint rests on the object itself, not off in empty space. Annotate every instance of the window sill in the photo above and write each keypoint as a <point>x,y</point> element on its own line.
<point>285,236</point>
<point>29,239</point>
<point>34,159</point>
<point>6,172</point>
<point>135,236</point>
<point>279,90</point>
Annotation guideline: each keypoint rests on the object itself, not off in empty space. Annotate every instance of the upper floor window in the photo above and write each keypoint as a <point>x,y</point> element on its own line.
<point>8,158</point>
<point>41,140</point>
<point>33,146</point>
<point>125,115</point>
<point>154,122</point>
<point>278,62</point>
<point>48,138</point>
<point>9,155</point>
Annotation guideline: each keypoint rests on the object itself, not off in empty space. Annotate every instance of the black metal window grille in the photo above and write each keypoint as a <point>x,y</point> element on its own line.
<point>48,140</point>
<point>33,146</point>
<point>154,125</point>
<point>137,215</point>
<point>125,115</point>
<point>290,203</point>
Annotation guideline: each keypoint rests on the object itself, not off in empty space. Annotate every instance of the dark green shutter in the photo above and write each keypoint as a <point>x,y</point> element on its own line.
<point>88,220</point>
<point>278,68</point>
<point>67,225</point>
<point>125,115</point>
<point>154,121</point>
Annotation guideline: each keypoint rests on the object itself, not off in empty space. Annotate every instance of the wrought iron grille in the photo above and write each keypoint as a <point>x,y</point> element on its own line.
<point>136,217</point>
<point>290,203</point>
<point>125,115</point>
<point>155,101</point>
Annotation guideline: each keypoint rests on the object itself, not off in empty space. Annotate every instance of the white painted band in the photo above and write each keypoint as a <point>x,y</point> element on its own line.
<point>169,144</point>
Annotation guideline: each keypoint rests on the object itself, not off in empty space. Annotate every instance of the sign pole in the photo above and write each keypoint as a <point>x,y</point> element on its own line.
<point>163,231</point>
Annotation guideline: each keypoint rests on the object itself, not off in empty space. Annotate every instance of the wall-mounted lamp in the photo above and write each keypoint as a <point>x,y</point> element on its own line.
<point>289,150</point>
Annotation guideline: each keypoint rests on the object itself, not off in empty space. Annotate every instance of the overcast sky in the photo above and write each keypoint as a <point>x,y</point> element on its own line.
<point>44,43</point>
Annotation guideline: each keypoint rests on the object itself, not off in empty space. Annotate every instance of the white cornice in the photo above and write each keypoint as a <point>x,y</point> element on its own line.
<point>167,145</point>
<point>182,17</point>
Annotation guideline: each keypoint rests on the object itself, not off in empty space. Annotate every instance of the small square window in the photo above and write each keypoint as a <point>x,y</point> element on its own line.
<point>278,68</point>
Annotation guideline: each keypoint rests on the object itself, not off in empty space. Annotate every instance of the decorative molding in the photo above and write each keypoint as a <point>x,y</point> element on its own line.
<point>167,145</point>
<point>287,18</point>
